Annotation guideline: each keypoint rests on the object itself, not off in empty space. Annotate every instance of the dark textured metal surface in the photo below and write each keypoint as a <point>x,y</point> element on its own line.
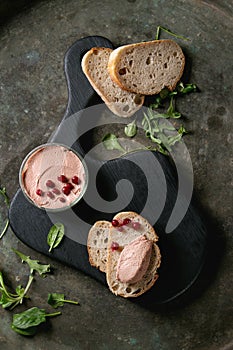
<point>33,97</point>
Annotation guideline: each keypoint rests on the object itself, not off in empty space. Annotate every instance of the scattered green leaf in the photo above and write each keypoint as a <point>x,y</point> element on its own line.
<point>7,202</point>
<point>160,28</point>
<point>186,88</point>
<point>55,235</point>
<point>25,323</point>
<point>34,265</point>
<point>111,143</point>
<point>172,113</point>
<point>10,300</point>
<point>56,300</point>
<point>131,129</point>
<point>5,196</point>
<point>163,134</point>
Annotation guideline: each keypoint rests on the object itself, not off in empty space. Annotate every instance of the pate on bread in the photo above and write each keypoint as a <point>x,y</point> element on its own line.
<point>127,253</point>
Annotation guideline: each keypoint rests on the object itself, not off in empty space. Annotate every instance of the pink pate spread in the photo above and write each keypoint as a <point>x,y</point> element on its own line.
<point>134,260</point>
<point>48,164</point>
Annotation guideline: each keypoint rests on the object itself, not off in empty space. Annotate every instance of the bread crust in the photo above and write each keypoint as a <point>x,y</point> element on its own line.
<point>120,102</point>
<point>97,244</point>
<point>119,55</point>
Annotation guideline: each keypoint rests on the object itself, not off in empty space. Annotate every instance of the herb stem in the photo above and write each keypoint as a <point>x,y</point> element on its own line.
<point>71,301</point>
<point>28,284</point>
<point>5,228</point>
<point>7,202</point>
<point>159,28</point>
<point>53,314</point>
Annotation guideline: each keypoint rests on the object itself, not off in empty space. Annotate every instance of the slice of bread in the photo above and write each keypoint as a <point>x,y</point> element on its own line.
<point>120,102</point>
<point>97,243</point>
<point>123,238</point>
<point>148,67</point>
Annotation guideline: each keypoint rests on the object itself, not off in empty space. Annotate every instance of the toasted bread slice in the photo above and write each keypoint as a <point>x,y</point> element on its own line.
<point>97,243</point>
<point>123,238</point>
<point>148,67</point>
<point>120,102</point>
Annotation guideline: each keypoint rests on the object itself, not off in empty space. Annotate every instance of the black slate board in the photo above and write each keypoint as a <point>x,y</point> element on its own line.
<point>183,250</point>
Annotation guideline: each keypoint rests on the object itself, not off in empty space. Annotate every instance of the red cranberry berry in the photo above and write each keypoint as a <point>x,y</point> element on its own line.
<point>126,221</point>
<point>114,246</point>
<point>75,180</point>
<point>61,199</point>
<point>56,191</point>
<point>70,186</point>
<point>50,184</point>
<point>66,190</point>
<point>50,195</point>
<point>115,223</point>
<point>39,192</point>
<point>62,178</point>
<point>136,225</point>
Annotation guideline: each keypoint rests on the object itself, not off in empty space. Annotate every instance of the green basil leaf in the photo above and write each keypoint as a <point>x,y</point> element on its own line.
<point>34,265</point>
<point>111,143</point>
<point>131,129</point>
<point>5,300</point>
<point>29,318</point>
<point>28,332</point>
<point>55,235</point>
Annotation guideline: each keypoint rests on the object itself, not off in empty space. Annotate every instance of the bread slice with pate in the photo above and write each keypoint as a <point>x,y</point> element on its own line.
<point>148,67</point>
<point>119,239</point>
<point>120,102</point>
<point>97,243</point>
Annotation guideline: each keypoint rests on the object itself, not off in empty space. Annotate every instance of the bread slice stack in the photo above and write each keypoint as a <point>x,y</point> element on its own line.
<point>101,238</point>
<point>120,102</point>
<point>122,77</point>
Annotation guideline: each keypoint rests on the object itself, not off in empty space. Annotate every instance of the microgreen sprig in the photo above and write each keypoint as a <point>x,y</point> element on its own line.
<point>58,299</point>
<point>10,300</point>
<point>34,265</point>
<point>160,28</point>
<point>7,202</point>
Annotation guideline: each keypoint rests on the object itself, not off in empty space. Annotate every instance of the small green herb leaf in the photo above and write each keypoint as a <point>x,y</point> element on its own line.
<point>158,103</point>
<point>163,134</point>
<point>164,93</point>
<point>34,265</point>
<point>171,110</point>
<point>56,300</point>
<point>159,28</point>
<point>9,300</point>
<point>55,235</point>
<point>111,143</point>
<point>5,196</point>
<point>131,129</point>
<point>30,331</point>
<point>187,88</point>
<point>25,322</point>
<point>7,202</point>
